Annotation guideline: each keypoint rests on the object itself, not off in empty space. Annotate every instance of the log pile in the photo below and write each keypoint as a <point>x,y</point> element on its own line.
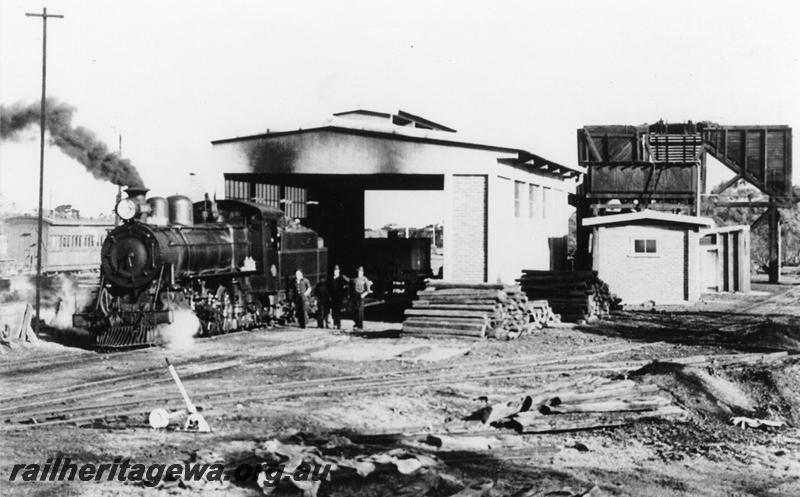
<point>573,295</point>
<point>475,310</point>
<point>596,403</point>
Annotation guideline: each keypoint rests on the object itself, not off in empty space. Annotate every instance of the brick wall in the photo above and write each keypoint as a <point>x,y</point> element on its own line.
<point>468,236</point>
<point>669,276</point>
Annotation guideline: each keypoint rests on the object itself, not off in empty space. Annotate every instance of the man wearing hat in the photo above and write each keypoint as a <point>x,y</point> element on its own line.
<point>337,289</point>
<point>362,287</point>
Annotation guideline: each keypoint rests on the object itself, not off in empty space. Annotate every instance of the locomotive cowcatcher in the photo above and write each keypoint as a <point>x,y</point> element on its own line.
<point>228,261</point>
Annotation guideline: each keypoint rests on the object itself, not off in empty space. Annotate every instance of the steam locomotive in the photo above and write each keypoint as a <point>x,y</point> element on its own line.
<point>228,261</point>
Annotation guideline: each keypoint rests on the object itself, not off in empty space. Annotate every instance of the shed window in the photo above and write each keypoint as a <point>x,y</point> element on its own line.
<point>547,203</point>
<point>518,186</point>
<point>644,247</point>
<point>535,202</point>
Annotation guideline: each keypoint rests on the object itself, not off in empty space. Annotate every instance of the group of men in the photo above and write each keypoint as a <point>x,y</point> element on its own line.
<point>331,296</point>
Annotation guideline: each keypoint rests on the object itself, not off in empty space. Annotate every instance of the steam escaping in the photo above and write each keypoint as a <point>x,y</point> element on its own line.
<point>61,297</point>
<point>70,299</point>
<point>18,288</point>
<point>77,142</point>
<point>179,335</point>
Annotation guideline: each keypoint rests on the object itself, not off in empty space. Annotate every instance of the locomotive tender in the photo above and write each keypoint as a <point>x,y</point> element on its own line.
<point>229,261</point>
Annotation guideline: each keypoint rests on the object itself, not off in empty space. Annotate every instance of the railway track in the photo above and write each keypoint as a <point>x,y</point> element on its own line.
<point>154,374</point>
<point>72,409</point>
<point>51,360</point>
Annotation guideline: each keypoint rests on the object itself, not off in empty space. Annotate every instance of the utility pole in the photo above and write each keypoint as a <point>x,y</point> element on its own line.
<point>44,15</point>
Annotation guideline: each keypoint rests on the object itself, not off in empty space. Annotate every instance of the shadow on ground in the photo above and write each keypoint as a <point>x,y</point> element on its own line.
<point>735,331</point>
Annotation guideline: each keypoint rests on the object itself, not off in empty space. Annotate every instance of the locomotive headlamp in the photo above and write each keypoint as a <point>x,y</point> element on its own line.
<point>126,209</point>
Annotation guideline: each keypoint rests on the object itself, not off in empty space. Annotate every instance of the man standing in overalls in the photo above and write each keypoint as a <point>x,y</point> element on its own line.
<point>362,287</point>
<point>302,290</point>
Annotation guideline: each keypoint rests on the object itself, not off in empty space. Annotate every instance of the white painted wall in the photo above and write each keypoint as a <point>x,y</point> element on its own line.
<point>521,242</point>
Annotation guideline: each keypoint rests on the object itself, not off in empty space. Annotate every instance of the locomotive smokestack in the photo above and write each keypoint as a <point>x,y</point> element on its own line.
<point>137,192</point>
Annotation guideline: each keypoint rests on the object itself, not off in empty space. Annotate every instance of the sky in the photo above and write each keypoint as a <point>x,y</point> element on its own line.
<point>172,76</point>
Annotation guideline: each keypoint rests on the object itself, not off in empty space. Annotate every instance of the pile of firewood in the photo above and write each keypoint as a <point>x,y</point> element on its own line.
<point>573,295</point>
<point>594,403</point>
<point>516,316</point>
<point>475,310</point>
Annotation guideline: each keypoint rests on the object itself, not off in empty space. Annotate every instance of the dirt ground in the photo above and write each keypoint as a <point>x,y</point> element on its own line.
<point>292,385</point>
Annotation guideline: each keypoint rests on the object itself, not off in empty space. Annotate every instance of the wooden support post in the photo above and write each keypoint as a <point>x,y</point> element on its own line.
<point>702,187</point>
<point>743,156</point>
<point>764,158</point>
<point>725,143</point>
<point>744,261</point>
<point>730,249</point>
<point>774,270</point>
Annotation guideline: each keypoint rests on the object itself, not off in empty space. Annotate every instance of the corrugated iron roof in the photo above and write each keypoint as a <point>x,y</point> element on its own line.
<point>437,136</point>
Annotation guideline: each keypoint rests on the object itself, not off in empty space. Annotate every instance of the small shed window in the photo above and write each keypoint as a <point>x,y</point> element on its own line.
<point>641,246</point>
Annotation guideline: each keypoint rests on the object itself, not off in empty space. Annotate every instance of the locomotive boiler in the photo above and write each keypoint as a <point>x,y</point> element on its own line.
<point>228,261</point>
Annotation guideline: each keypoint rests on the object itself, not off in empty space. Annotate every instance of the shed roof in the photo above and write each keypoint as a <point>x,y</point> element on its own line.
<point>422,131</point>
<point>648,215</point>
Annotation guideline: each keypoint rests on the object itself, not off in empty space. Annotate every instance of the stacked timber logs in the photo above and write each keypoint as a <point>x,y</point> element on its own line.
<point>574,295</point>
<point>475,310</point>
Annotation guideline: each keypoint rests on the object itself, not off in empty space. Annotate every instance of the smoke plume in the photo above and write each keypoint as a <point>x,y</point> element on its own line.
<point>77,142</point>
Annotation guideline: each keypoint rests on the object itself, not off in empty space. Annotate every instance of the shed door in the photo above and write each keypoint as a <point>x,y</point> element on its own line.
<point>708,270</point>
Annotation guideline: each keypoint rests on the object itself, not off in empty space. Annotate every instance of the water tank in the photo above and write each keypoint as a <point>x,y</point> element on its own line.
<point>159,211</point>
<point>180,211</point>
